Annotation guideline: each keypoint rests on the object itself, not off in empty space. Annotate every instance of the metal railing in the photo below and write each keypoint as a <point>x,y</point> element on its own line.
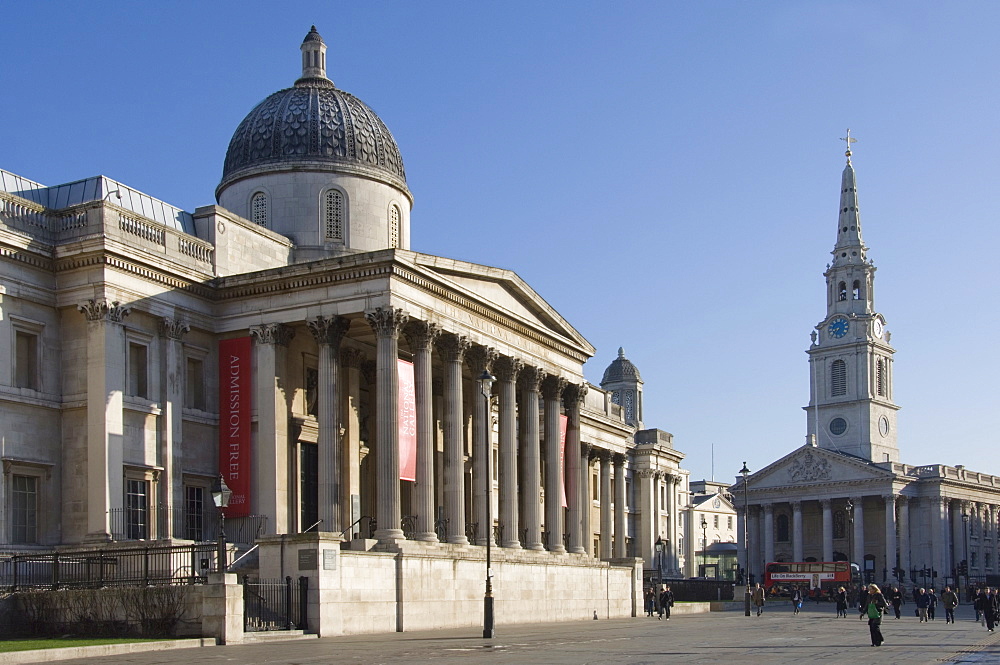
<point>157,522</point>
<point>275,604</point>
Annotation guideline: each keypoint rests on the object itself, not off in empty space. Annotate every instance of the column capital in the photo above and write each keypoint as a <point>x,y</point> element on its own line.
<point>102,310</point>
<point>272,333</point>
<point>387,321</point>
<point>507,368</point>
<point>481,358</point>
<point>796,505</point>
<point>553,386</point>
<point>574,394</point>
<point>602,454</point>
<point>585,449</point>
<point>530,378</point>
<point>645,473</point>
<point>825,504</point>
<point>453,347</point>
<point>352,357</point>
<point>890,498</point>
<point>421,334</point>
<point>328,329</point>
<point>618,459</point>
<point>768,508</point>
<point>172,328</point>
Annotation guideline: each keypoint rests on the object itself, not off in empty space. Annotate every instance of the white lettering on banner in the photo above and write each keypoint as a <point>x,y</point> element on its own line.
<point>802,576</point>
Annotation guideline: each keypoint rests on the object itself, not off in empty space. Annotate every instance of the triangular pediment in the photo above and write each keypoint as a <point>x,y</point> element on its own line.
<point>810,465</point>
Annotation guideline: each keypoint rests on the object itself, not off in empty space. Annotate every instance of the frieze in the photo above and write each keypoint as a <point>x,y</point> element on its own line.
<point>808,467</point>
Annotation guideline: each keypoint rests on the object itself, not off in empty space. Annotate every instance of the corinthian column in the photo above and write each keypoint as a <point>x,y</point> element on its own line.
<point>422,336</point>
<point>507,370</point>
<point>621,530</point>
<point>171,434</point>
<point>797,531</point>
<point>574,398</point>
<point>453,349</point>
<point>904,535</point>
<point>329,333</point>
<point>768,534</point>
<point>480,359</point>
<point>825,504</point>
<point>586,498</point>
<point>387,324</point>
<point>890,532</point>
<point>607,525</point>
<point>552,389</point>
<point>530,379</point>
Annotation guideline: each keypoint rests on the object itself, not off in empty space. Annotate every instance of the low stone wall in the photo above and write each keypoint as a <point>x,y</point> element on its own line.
<point>421,586</point>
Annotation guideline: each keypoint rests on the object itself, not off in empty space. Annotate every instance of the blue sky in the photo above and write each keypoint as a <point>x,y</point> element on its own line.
<point>665,174</point>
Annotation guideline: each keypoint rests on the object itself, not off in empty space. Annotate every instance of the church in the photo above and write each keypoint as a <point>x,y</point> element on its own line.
<point>845,495</point>
<point>361,399</point>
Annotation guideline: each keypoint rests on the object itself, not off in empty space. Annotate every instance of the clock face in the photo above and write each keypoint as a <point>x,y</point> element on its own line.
<point>877,328</point>
<point>838,327</point>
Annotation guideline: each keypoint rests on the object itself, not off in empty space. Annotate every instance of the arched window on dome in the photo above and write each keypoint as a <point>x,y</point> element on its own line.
<point>393,225</point>
<point>333,215</point>
<point>258,209</point>
<point>838,378</point>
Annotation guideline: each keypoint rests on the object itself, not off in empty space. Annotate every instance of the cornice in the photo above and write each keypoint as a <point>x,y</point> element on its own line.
<point>111,260</point>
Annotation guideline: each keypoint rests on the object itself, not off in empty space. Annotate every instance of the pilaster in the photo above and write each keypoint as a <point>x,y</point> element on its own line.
<point>171,417</point>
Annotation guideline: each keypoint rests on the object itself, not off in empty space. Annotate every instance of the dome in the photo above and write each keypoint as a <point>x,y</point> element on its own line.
<point>621,369</point>
<point>316,127</point>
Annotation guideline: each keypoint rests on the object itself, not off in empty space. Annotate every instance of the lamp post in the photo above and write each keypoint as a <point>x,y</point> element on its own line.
<point>659,547</point>
<point>489,627</point>
<point>965,533</point>
<point>220,496</point>
<point>849,511</point>
<point>704,546</point>
<point>746,545</point>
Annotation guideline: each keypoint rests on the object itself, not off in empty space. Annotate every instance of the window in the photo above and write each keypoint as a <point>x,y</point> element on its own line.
<point>138,371</point>
<point>880,377</point>
<point>136,509</point>
<point>715,521</point>
<point>194,512</point>
<point>24,509</point>
<point>312,391</point>
<point>258,209</point>
<point>333,215</point>
<point>781,528</point>
<point>839,524</point>
<point>838,378</point>
<point>308,485</point>
<point>842,291</point>
<point>856,290</point>
<point>25,359</point>
<point>194,388</point>
<point>595,495</point>
<point>393,226</point>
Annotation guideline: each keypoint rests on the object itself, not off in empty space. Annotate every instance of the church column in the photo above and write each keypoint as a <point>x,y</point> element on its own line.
<point>858,556</point>
<point>329,333</point>
<point>768,535</point>
<point>172,418</point>
<point>621,527</point>
<point>939,535</point>
<point>797,531</point>
<point>421,336</point>
<point>270,452</point>
<point>904,536</point>
<point>607,526</point>
<point>530,379</point>
<point>387,324</point>
<point>957,532</point>
<point>890,533</point>
<point>106,353</point>
<point>756,538</point>
<point>507,369</point>
<point>586,498</point>
<point>351,360</point>
<point>574,395</point>
<point>552,389</point>
<point>481,359</point>
<point>453,348</point>
<point>646,536</point>
<point>826,506</point>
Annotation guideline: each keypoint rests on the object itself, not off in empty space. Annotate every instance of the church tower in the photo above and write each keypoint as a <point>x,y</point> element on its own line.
<point>850,361</point>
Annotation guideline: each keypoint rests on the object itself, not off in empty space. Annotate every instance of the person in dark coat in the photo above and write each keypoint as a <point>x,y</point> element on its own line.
<point>796,599</point>
<point>841,598</point>
<point>950,601</point>
<point>932,602</point>
<point>862,602</point>
<point>874,608</point>
<point>989,606</point>
<point>757,597</point>
<point>896,598</point>
<point>666,602</point>
<point>650,601</point>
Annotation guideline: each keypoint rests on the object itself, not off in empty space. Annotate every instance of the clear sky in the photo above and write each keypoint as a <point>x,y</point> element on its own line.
<point>665,174</point>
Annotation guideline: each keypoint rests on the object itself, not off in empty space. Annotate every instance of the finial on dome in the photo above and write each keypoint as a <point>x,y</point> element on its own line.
<point>621,351</point>
<point>313,56</point>
<point>849,140</point>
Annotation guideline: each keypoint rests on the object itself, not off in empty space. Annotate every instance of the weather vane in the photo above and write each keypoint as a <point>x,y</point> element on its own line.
<point>849,140</point>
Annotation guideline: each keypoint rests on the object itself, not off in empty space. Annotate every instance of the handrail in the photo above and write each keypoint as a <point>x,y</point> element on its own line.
<point>242,556</point>
<point>318,522</point>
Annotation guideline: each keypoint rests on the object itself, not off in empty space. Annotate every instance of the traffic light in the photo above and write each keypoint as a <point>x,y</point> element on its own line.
<point>963,567</point>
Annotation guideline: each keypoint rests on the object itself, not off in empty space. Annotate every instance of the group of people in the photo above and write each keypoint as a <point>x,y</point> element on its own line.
<point>987,605</point>
<point>659,604</point>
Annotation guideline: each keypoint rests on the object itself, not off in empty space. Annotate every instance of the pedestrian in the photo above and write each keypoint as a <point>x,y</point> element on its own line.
<point>862,603</point>
<point>950,601</point>
<point>896,598</point>
<point>931,604</point>
<point>666,602</point>
<point>757,597</point>
<point>923,600</point>
<point>650,601</point>
<point>990,606</point>
<point>796,599</point>
<point>876,605</point>
<point>841,598</point>
<point>977,604</point>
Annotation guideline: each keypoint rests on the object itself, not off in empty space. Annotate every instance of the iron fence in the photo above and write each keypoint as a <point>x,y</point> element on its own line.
<point>692,590</point>
<point>275,604</point>
<point>160,522</point>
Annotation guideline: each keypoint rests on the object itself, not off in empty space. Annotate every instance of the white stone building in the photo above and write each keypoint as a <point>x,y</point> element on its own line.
<point>711,521</point>
<point>846,495</point>
<point>268,336</point>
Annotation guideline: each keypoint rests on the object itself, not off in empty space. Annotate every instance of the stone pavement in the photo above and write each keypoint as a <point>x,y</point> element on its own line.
<point>776,638</point>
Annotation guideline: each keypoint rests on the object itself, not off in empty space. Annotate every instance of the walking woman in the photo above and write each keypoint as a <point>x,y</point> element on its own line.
<point>796,599</point>
<point>841,598</point>
<point>876,605</point>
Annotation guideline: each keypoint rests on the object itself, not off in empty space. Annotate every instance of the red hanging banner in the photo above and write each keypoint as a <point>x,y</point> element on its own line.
<point>407,422</point>
<point>235,386</point>
<point>563,424</point>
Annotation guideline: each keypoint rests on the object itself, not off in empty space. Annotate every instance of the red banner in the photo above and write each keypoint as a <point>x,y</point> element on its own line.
<point>235,386</point>
<point>407,422</point>
<point>563,424</point>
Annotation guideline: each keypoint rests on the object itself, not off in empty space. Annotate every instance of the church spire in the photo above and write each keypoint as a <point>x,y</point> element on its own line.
<point>850,248</point>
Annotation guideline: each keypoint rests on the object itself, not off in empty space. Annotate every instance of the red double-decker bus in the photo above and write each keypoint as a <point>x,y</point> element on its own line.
<point>826,575</point>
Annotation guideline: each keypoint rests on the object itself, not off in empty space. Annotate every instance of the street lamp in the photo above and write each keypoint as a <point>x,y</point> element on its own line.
<point>660,546</point>
<point>220,496</point>
<point>704,546</point>
<point>746,545</point>
<point>849,511</point>
<point>489,626</point>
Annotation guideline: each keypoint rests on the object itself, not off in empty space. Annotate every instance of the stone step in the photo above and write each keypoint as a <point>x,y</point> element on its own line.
<point>277,636</point>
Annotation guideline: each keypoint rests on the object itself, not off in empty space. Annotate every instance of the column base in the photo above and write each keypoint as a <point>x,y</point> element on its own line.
<point>427,537</point>
<point>389,535</point>
<point>97,537</point>
<point>512,545</point>
<point>458,540</point>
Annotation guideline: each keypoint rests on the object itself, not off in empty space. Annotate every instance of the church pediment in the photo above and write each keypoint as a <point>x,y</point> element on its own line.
<point>809,465</point>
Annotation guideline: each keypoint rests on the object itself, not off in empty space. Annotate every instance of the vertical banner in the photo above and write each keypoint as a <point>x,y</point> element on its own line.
<point>235,386</point>
<point>563,424</point>
<point>407,422</point>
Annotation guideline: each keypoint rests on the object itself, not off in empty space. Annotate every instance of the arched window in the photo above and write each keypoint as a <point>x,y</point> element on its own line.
<point>333,215</point>
<point>781,529</point>
<point>880,377</point>
<point>856,290</point>
<point>258,209</point>
<point>393,226</point>
<point>839,522</point>
<point>838,378</point>
<point>842,291</point>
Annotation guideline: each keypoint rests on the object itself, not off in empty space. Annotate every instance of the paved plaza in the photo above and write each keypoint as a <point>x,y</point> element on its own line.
<point>775,638</point>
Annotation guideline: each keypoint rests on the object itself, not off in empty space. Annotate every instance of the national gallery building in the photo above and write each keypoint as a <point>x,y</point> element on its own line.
<point>289,339</point>
<point>845,495</point>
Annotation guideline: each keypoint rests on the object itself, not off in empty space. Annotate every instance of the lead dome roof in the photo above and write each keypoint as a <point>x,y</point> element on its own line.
<point>313,126</point>
<point>621,369</point>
